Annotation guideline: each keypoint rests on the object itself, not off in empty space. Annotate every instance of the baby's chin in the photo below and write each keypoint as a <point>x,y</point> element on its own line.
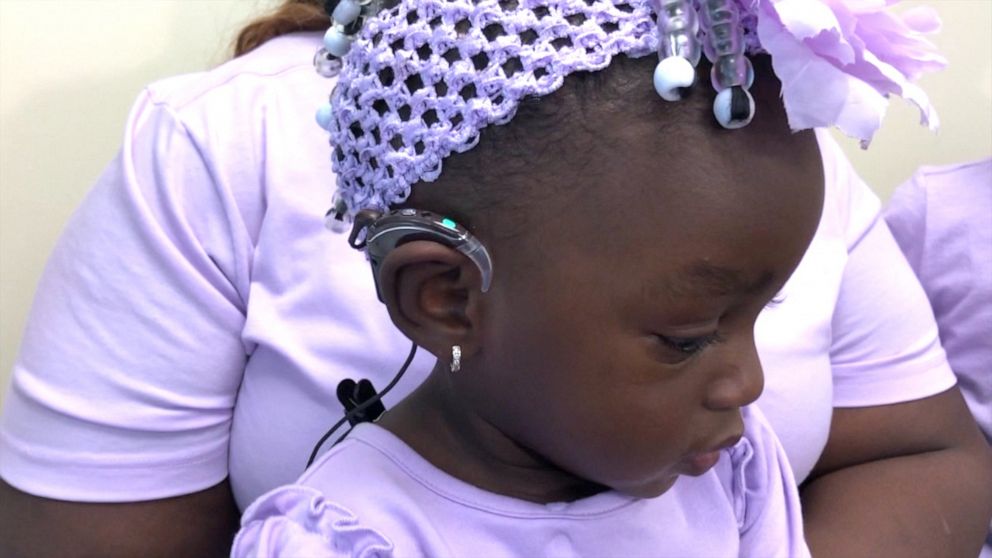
<point>650,489</point>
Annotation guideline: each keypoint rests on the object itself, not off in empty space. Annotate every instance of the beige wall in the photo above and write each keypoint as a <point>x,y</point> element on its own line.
<point>69,70</point>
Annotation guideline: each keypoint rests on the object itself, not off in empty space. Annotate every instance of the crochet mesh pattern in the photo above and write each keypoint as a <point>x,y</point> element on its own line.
<point>423,78</point>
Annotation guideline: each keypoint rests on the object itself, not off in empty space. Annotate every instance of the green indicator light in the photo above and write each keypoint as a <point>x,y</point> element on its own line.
<point>449,223</point>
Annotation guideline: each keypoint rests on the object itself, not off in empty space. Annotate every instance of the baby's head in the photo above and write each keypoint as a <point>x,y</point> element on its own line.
<point>634,241</point>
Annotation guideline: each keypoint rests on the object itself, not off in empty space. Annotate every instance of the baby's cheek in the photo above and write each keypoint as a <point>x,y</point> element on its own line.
<point>628,457</point>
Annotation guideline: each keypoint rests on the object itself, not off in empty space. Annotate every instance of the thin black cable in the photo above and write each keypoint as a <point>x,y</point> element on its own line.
<point>361,407</point>
<point>343,436</point>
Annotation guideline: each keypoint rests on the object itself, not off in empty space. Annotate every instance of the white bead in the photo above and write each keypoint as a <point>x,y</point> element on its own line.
<point>346,12</point>
<point>336,42</point>
<point>324,115</point>
<point>722,109</point>
<point>335,225</point>
<point>326,64</point>
<point>335,220</point>
<point>672,75</point>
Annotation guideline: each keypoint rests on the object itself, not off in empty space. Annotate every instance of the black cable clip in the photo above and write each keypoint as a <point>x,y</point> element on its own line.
<point>352,394</point>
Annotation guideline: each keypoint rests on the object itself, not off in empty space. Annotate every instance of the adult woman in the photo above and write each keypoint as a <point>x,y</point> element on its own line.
<point>237,321</point>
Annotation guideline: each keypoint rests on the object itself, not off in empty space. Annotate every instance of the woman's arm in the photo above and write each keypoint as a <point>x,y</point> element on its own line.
<point>905,471</point>
<point>199,524</point>
<point>124,387</point>
<point>910,479</point>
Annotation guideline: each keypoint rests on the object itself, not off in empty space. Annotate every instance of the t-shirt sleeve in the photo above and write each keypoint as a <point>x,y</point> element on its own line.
<point>296,520</point>
<point>885,346</point>
<point>766,498</point>
<point>942,220</point>
<point>132,356</point>
<point>906,216</point>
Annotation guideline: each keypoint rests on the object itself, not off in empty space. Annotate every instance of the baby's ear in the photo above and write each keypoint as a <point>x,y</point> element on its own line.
<point>433,296</point>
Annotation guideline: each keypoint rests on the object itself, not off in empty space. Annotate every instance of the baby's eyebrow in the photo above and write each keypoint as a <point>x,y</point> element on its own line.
<point>701,277</point>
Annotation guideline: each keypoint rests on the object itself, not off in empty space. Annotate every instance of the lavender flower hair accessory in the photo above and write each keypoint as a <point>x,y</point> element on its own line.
<point>840,60</point>
<point>421,79</point>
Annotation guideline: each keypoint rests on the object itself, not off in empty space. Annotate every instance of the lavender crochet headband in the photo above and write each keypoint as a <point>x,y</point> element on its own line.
<point>418,81</point>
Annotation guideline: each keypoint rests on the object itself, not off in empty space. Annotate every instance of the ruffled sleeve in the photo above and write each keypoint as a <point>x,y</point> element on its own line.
<point>298,521</point>
<point>764,494</point>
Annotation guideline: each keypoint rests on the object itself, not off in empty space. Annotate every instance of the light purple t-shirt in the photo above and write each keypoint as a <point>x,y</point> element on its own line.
<point>372,495</point>
<point>195,317</point>
<point>942,220</point>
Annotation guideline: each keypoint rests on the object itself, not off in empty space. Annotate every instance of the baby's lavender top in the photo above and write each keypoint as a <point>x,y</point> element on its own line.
<point>195,318</point>
<point>372,495</point>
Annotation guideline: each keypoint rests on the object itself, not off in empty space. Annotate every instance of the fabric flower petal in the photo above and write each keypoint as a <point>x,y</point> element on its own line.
<point>840,60</point>
<point>813,20</point>
<point>815,92</point>
<point>922,19</point>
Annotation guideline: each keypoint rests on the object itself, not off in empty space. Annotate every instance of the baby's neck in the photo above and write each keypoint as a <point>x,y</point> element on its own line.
<point>457,441</point>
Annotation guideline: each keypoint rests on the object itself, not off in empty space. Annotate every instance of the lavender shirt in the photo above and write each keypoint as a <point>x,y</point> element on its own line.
<point>372,495</point>
<point>195,317</point>
<point>942,220</point>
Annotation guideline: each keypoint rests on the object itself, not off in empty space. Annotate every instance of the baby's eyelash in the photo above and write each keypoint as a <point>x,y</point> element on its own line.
<point>690,345</point>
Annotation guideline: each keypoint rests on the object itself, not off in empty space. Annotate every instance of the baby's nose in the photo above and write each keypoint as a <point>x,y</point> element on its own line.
<point>739,382</point>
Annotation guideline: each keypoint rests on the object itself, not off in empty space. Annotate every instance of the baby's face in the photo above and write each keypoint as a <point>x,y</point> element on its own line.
<point>620,343</point>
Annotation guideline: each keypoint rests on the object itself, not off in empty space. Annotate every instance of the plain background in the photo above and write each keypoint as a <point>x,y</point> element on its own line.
<point>70,69</point>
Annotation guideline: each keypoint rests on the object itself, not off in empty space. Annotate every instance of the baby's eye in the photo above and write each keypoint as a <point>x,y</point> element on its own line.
<point>689,345</point>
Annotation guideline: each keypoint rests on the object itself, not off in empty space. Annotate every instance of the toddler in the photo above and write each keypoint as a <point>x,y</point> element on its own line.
<point>585,260</point>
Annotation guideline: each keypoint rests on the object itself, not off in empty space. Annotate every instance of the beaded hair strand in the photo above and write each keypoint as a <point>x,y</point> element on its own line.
<point>419,80</point>
<point>679,51</point>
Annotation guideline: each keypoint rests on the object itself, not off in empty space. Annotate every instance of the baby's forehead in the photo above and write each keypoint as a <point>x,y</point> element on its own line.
<point>607,134</point>
<point>646,212</point>
<point>641,202</point>
<point>698,277</point>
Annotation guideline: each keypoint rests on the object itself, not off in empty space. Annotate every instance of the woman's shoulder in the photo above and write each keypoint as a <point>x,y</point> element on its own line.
<point>245,129</point>
<point>972,176</point>
<point>283,64</point>
<point>938,199</point>
<point>850,207</point>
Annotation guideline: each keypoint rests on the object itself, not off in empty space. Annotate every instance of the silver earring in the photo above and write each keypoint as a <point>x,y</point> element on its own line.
<point>456,358</point>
